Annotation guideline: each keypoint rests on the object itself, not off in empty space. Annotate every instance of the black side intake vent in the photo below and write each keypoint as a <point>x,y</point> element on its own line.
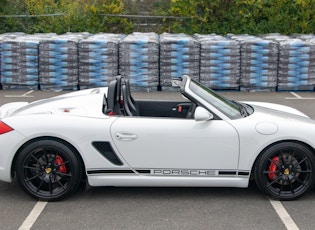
<point>107,151</point>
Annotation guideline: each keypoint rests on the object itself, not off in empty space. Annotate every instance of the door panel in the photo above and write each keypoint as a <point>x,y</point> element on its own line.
<point>176,143</point>
<point>161,109</point>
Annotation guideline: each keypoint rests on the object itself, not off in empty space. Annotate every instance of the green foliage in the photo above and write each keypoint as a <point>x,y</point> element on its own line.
<point>244,16</point>
<point>74,16</point>
<point>195,16</point>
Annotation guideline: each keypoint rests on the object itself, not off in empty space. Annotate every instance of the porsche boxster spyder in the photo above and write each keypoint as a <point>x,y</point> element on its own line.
<point>107,138</point>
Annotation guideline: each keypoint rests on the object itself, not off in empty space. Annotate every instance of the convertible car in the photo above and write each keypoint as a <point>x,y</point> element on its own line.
<point>105,137</point>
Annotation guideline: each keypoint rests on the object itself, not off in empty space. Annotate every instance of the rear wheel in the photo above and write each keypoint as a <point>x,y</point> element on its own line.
<point>48,170</point>
<point>285,171</point>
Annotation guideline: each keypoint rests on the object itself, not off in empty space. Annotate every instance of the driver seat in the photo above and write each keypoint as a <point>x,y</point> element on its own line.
<point>113,106</point>
<point>130,106</point>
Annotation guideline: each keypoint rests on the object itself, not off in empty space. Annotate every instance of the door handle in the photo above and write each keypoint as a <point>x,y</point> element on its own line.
<point>126,136</point>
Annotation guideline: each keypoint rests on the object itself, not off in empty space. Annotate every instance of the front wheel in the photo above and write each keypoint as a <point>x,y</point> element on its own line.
<point>285,171</point>
<point>48,170</point>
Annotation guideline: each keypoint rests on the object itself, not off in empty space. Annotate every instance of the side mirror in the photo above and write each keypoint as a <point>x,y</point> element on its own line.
<point>201,114</point>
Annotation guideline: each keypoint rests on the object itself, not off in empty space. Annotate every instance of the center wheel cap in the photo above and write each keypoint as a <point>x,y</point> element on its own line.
<point>286,171</point>
<point>48,170</point>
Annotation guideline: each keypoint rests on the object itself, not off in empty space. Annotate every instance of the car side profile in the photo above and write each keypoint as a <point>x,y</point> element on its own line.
<point>108,138</point>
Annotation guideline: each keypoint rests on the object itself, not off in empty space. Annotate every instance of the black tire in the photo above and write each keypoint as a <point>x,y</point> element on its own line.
<point>48,170</point>
<point>285,171</point>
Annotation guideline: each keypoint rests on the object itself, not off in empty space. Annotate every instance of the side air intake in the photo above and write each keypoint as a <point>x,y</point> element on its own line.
<point>107,151</point>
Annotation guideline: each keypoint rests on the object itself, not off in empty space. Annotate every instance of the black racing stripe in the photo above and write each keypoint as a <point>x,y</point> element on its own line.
<point>144,171</point>
<point>227,172</point>
<point>109,171</point>
<point>243,173</point>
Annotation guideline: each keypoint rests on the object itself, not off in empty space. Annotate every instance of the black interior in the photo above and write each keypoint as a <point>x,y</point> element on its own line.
<point>152,108</point>
<point>119,101</point>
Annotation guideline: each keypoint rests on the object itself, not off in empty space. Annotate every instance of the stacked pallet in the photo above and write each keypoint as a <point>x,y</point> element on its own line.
<point>19,61</point>
<point>219,62</point>
<point>58,63</point>
<point>179,55</point>
<point>259,63</point>
<point>139,60</point>
<point>296,65</point>
<point>98,60</point>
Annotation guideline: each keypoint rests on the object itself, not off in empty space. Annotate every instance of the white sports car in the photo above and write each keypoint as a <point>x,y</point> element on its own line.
<point>106,137</point>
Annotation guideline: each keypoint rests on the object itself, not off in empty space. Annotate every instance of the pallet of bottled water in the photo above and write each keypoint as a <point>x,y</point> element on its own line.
<point>179,55</point>
<point>98,59</point>
<point>58,62</point>
<point>19,61</point>
<point>296,64</point>
<point>219,62</point>
<point>139,60</point>
<point>259,63</point>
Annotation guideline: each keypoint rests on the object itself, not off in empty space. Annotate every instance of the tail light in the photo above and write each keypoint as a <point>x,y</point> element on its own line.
<point>4,128</point>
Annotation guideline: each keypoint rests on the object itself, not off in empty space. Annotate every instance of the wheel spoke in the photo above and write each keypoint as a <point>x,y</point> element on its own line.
<point>301,182</point>
<point>64,174</point>
<point>271,172</point>
<point>274,181</point>
<point>62,164</point>
<point>299,163</point>
<point>64,188</point>
<point>50,186</point>
<point>281,189</point>
<point>305,171</point>
<point>32,178</point>
<point>46,156</point>
<point>40,185</point>
<point>291,186</point>
<point>30,167</point>
<point>32,156</point>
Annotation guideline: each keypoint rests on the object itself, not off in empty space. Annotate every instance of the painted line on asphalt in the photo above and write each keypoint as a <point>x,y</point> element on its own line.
<point>298,97</point>
<point>284,215</point>
<point>23,95</point>
<point>34,214</point>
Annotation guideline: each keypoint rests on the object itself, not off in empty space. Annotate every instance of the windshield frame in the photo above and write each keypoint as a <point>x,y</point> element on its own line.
<point>228,108</point>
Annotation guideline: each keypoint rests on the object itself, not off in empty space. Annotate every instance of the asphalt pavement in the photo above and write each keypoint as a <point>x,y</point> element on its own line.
<point>161,208</point>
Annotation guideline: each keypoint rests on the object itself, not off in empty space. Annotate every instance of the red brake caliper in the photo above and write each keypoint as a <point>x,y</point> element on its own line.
<point>62,167</point>
<point>273,168</point>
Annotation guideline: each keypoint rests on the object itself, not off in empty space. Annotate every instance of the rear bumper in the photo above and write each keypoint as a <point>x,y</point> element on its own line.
<point>9,145</point>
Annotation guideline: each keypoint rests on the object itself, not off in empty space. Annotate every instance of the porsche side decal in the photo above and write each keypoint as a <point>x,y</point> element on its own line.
<point>172,172</point>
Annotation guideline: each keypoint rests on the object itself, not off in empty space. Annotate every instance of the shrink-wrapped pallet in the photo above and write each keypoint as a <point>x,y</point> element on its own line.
<point>179,55</point>
<point>219,62</point>
<point>98,60</point>
<point>19,61</point>
<point>139,60</point>
<point>259,63</point>
<point>58,62</point>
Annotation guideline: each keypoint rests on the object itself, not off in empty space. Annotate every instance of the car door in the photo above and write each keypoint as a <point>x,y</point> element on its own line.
<point>171,143</point>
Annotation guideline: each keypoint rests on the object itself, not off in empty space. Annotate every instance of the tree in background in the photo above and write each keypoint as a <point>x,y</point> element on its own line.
<point>11,24</point>
<point>244,16</point>
<point>69,15</point>
<point>93,16</point>
<point>194,16</point>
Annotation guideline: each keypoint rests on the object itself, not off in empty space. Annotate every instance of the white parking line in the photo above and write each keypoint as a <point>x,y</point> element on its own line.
<point>284,215</point>
<point>23,95</point>
<point>32,217</point>
<point>298,97</point>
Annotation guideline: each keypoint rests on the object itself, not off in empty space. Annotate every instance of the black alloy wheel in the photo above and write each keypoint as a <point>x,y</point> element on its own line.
<point>48,170</point>
<point>285,171</point>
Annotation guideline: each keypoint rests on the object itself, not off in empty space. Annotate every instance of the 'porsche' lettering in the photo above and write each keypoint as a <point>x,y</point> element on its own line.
<point>183,172</point>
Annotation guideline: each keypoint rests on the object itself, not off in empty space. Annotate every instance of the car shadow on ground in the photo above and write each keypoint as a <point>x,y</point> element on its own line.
<point>167,192</point>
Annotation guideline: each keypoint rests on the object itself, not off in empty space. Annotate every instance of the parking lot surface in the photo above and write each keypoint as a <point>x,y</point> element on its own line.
<point>160,208</point>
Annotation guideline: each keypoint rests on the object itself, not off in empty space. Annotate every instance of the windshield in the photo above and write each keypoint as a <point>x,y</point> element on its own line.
<point>227,107</point>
